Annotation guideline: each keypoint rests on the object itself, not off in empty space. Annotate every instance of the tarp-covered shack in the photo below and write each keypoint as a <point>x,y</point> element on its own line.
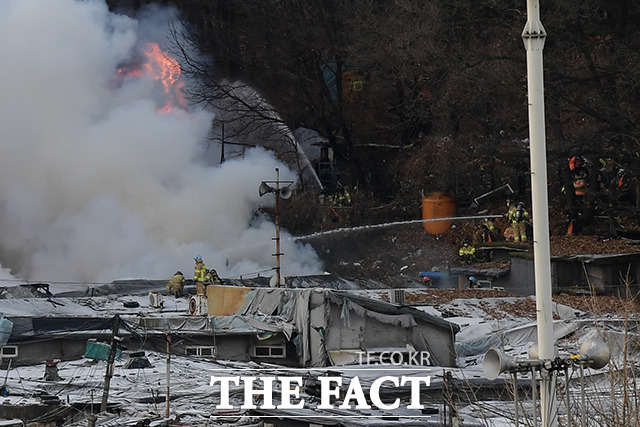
<point>319,327</point>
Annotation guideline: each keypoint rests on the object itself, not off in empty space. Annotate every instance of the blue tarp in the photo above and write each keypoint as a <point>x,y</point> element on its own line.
<point>6,326</point>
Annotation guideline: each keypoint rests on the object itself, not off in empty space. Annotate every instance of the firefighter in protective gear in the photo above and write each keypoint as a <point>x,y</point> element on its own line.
<point>512,210</point>
<point>212,277</point>
<point>473,283</point>
<point>200,275</point>
<point>580,185</point>
<point>488,231</point>
<point>175,285</point>
<point>509,233</point>
<point>578,166</point>
<point>467,252</point>
<point>518,220</point>
<point>343,198</point>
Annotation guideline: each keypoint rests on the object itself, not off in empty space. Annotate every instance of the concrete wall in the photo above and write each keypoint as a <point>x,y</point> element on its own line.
<point>604,275</point>
<point>228,347</point>
<point>32,353</point>
<point>521,278</point>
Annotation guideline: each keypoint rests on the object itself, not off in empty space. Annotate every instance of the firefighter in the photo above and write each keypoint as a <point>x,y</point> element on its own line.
<point>473,283</point>
<point>467,252</point>
<point>518,220</point>
<point>580,184</point>
<point>175,285</point>
<point>343,198</point>
<point>426,280</point>
<point>488,230</point>
<point>572,222</point>
<point>509,235</point>
<point>509,232</point>
<point>578,166</point>
<point>199,275</point>
<point>212,277</point>
<point>511,210</point>
<point>607,173</point>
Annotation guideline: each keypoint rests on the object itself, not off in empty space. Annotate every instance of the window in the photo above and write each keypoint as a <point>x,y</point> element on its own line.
<point>270,351</point>
<point>200,351</point>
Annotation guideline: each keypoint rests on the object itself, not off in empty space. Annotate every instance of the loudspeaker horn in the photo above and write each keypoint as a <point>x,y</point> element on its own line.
<point>274,282</point>
<point>264,189</point>
<point>596,352</point>
<point>495,362</point>
<point>285,192</point>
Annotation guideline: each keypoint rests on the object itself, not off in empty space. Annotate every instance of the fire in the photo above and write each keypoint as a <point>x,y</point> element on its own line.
<point>162,68</point>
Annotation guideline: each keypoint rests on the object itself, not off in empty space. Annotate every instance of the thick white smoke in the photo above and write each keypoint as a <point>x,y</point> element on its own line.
<point>95,183</point>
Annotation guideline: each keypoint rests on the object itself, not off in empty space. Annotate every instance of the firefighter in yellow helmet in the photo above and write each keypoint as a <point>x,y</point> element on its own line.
<point>200,275</point>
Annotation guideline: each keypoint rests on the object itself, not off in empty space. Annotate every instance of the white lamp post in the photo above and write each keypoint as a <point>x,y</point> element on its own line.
<point>534,37</point>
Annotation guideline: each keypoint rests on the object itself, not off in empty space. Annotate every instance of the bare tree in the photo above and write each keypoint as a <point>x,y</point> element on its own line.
<point>370,73</point>
<point>243,118</point>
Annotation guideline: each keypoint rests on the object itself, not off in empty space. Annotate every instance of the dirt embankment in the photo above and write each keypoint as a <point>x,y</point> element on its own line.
<point>397,254</point>
<point>525,307</point>
<point>407,249</point>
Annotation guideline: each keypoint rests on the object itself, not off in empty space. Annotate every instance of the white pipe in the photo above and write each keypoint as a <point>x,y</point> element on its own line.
<point>534,37</point>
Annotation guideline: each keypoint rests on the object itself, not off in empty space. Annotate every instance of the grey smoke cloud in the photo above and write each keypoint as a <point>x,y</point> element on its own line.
<point>95,183</point>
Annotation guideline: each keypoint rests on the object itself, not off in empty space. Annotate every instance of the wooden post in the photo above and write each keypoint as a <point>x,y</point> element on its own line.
<point>111,358</point>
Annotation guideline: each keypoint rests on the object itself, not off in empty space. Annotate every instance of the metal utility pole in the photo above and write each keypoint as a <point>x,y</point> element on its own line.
<point>110,360</point>
<point>222,143</point>
<point>285,193</point>
<point>534,36</point>
<point>277,254</point>
<point>166,413</point>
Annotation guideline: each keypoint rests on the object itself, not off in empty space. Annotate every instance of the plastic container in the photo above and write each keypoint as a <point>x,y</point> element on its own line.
<point>437,205</point>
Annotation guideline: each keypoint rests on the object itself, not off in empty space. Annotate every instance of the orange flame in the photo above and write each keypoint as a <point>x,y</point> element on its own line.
<point>164,69</point>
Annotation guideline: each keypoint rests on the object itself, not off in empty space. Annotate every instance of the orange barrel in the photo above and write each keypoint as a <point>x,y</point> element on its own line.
<point>437,205</point>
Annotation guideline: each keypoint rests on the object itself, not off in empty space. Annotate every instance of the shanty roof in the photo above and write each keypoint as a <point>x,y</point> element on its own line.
<point>40,308</point>
<point>395,309</point>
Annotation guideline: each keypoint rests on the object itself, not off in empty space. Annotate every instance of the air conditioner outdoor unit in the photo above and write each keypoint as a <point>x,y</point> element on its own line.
<point>396,296</point>
<point>8,352</point>
<point>155,300</point>
<point>198,305</point>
